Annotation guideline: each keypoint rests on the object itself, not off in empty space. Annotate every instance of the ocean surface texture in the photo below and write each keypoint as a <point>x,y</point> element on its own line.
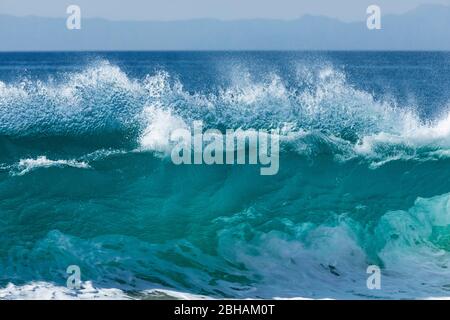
<point>86,176</point>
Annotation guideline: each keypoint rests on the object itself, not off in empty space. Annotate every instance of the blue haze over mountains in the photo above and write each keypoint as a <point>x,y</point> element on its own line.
<point>425,28</point>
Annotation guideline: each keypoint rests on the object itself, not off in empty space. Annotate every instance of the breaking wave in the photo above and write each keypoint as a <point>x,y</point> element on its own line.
<point>361,182</point>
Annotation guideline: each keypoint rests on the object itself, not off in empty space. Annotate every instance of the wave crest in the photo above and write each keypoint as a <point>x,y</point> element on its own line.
<point>321,102</point>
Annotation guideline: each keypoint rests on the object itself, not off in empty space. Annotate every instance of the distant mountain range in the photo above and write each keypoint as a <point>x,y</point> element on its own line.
<point>424,28</point>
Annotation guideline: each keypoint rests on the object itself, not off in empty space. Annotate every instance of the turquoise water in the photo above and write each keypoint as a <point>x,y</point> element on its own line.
<point>86,177</point>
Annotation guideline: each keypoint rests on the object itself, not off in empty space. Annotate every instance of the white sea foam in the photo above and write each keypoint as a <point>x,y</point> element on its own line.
<point>48,291</point>
<point>160,124</point>
<point>41,290</point>
<point>26,165</point>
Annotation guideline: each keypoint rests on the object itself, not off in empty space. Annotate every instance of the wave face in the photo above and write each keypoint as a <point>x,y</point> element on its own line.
<point>86,177</point>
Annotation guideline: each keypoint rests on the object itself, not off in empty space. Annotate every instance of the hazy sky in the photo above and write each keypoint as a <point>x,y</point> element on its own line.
<point>348,10</point>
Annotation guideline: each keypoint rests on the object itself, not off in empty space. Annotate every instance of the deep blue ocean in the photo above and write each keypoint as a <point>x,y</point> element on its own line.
<point>86,178</point>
